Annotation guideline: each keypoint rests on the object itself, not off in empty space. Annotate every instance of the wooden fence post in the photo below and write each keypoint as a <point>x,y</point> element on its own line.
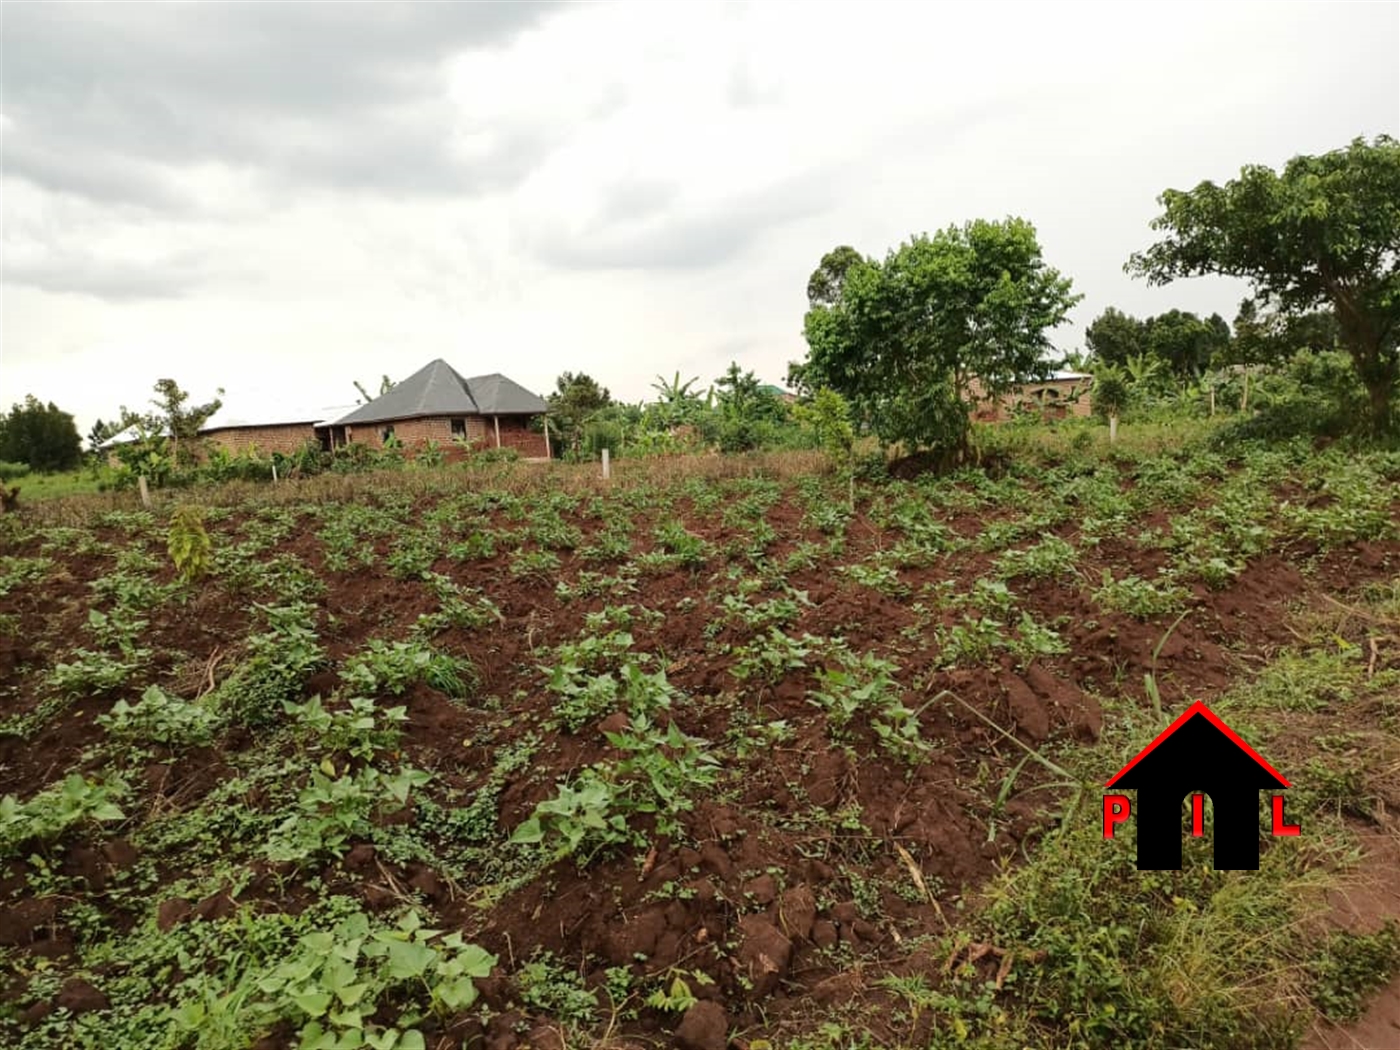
<point>607,467</point>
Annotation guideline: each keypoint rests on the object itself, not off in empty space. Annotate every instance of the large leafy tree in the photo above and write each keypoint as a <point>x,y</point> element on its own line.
<point>908,335</point>
<point>1323,232</point>
<point>1115,336</point>
<point>42,436</point>
<point>827,280</point>
<point>1186,343</point>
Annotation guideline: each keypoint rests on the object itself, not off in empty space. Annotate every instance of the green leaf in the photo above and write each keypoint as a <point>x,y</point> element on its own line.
<point>347,1018</point>
<point>408,960</point>
<point>458,994</point>
<point>476,961</point>
<point>351,993</point>
<point>312,1001</point>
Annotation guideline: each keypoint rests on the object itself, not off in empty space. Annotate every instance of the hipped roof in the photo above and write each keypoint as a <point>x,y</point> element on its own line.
<point>437,390</point>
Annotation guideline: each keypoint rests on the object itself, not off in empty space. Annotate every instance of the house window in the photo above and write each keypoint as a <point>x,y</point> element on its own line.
<point>459,428</point>
<point>388,434</point>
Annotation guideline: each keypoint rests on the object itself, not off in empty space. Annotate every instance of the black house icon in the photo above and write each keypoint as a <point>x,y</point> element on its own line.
<point>1198,753</point>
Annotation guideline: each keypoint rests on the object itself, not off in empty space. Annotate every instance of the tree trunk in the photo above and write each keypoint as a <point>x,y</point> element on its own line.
<point>1244,398</point>
<point>1113,428</point>
<point>1378,391</point>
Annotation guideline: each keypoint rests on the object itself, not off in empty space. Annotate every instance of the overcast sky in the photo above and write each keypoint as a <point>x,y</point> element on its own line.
<point>281,198</point>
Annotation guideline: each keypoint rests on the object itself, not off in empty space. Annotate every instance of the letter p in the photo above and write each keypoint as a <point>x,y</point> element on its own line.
<point>1116,809</point>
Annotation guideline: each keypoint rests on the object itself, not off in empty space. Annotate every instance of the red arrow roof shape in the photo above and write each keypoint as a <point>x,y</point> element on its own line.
<point>1199,708</point>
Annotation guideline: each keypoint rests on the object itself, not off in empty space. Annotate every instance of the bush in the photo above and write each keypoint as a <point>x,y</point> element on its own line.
<point>1316,394</point>
<point>602,434</point>
<point>497,455</point>
<point>10,471</point>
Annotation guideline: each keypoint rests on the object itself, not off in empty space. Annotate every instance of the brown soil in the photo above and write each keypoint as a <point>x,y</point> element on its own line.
<point>801,860</point>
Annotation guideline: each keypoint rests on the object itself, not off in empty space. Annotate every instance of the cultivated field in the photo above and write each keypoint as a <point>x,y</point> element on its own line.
<point>505,756</point>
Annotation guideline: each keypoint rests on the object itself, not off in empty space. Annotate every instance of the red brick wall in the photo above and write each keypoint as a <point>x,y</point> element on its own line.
<point>283,437</point>
<point>515,433</point>
<point>988,410</point>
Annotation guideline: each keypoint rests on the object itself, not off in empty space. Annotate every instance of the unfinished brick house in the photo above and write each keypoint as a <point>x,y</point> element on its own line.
<point>1061,394</point>
<point>437,404</point>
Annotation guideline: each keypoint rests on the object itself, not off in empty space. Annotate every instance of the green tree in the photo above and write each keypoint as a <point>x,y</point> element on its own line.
<point>677,403</point>
<point>908,336</point>
<point>574,402</point>
<point>745,410</point>
<point>100,432</point>
<point>1323,232</point>
<point>827,280</point>
<point>42,436</point>
<point>1185,343</point>
<point>1114,336</point>
<point>1112,392</point>
<point>828,416</point>
<point>182,421</point>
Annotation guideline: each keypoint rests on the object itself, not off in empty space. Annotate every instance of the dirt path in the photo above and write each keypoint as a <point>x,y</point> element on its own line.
<point>1363,904</point>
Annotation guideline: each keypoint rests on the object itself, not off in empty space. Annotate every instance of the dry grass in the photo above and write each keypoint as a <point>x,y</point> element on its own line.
<point>521,477</point>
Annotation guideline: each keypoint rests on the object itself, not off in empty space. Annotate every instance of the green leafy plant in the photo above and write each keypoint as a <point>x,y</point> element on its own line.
<point>864,689</point>
<point>534,563</point>
<point>360,729</point>
<point>582,819</point>
<point>188,543</point>
<point>1350,966</point>
<point>396,666</point>
<point>1050,558</point>
<point>57,809</point>
<point>16,572</point>
<point>330,812</point>
<point>337,980</point>
<point>771,656</point>
<point>163,719</point>
<point>1139,598</point>
<point>279,662</point>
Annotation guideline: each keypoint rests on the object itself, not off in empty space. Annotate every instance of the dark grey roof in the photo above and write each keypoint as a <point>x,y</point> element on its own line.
<point>437,390</point>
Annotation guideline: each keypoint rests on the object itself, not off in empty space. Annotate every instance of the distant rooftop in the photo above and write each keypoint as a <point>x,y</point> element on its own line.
<point>437,389</point>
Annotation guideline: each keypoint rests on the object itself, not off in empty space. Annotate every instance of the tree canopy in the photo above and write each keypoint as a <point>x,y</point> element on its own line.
<point>744,408</point>
<point>906,336</point>
<point>1183,342</point>
<point>577,397</point>
<point>41,436</point>
<point>825,284</point>
<point>1323,232</point>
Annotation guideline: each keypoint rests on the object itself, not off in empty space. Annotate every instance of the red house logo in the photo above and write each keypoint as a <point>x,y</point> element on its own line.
<point>1196,755</point>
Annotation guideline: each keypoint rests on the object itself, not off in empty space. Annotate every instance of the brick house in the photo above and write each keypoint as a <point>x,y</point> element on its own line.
<point>270,429</point>
<point>1062,393</point>
<point>437,404</point>
<point>265,430</point>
